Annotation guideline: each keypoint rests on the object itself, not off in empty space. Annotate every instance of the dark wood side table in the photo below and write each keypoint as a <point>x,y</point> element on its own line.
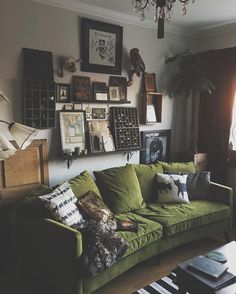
<point>187,282</point>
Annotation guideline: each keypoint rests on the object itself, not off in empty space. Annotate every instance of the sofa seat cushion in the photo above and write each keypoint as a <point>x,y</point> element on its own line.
<point>148,231</point>
<point>177,218</point>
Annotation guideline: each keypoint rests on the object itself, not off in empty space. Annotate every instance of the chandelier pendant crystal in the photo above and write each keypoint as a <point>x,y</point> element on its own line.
<point>163,10</point>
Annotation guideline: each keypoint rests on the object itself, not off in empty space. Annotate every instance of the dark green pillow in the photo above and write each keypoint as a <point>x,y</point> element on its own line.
<point>82,184</point>
<point>178,167</point>
<point>120,188</point>
<point>32,207</point>
<point>198,185</point>
<point>146,174</point>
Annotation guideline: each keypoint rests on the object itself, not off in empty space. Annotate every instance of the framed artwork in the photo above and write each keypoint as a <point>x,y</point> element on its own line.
<point>101,96</point>
<point>38,64</point>
<point>100,91</point>
<point>114,93</point>
<point>120,82</point>
<point>150,82</point>
<point>156,145</point>
<point>98,113</point>
<point>101,47</point>
<point>100,136</point>
<point>73,128</point>
<point>82,88</point>
<point>96,142</point>
<point>63,93</point>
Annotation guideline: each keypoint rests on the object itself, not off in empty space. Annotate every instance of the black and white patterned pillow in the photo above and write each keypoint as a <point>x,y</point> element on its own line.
<point>172,188</point>
<point>61,203</point>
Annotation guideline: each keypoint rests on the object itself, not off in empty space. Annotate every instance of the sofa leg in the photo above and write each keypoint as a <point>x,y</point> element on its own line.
<point>227,238</point>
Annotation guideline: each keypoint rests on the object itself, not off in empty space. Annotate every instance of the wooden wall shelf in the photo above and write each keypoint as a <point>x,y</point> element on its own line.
<point>102,102</point>
<point>151,108</point>
<point>71,157</point>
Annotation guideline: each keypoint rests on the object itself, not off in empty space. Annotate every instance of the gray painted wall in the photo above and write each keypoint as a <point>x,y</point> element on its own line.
<point>39,26</point>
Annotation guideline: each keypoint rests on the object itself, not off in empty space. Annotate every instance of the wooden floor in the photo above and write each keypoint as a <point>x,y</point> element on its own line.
<point>139,276</point>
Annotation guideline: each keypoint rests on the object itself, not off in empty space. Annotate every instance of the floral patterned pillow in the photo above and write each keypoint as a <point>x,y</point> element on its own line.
<point>94,207</point>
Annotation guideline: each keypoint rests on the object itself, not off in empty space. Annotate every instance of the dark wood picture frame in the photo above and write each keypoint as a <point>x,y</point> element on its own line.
<point>156,146</point>
<point>120,82</point>
<point>82,89</point>
<point>63,93</point>
<point>101,47</point>
<point>150,82</point>
<point>38,64</point>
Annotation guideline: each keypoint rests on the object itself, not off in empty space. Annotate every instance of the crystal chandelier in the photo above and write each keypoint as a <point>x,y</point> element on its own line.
<point>163,10</point>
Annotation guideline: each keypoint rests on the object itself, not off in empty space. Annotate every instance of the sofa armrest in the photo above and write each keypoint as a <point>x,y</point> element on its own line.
<point>50,250</point>
<point>223,194</point>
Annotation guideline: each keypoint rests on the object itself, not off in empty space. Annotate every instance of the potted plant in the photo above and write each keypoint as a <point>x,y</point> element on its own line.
<point>191,77</point>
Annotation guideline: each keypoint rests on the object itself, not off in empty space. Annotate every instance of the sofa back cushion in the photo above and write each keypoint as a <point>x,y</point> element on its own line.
<point>82,184</point>
<point>120,188</point>
<point>146,174</point>
<point>178,167</point>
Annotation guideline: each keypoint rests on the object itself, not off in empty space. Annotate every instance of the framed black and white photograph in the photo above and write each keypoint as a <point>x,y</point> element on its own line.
<point>120,82</point>
<point>63,93</point>
<point>98,113</point>
<point>73,128</point>
<point>101,96</point>
<point>114,93</point>
<point>156,145</point>
<point>101,47</point>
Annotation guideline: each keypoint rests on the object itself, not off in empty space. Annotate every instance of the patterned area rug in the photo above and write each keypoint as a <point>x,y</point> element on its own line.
<point>165,285</point>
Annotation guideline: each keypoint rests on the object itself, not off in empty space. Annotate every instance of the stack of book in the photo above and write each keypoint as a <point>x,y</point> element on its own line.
<point>210,272</point>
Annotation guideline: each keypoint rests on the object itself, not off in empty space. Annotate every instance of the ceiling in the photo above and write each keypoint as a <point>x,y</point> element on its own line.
<point>203,16</point>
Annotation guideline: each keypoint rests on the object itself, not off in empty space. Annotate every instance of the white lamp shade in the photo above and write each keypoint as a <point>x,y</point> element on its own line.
<point>3,98</point>
<point>22,134</point>
<point>6,148</point>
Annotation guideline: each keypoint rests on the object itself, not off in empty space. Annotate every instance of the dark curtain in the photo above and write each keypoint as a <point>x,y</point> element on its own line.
<point>215,112</point>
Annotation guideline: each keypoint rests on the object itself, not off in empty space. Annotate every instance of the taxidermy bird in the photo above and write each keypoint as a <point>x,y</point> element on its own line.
<point>136,61</point>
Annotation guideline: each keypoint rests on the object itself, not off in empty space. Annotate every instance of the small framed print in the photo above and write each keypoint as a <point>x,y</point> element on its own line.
<point>150,82</point>
<point>82,89</point>
<point>120,82</point>
<point>101,96</point>
<point>114,93</point>
<point>63,93</point>
<point>68,106</point>
<point>77,106</point>
<point>98,113</point>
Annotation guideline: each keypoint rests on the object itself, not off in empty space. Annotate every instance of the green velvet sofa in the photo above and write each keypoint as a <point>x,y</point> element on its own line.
<point>51,250</point>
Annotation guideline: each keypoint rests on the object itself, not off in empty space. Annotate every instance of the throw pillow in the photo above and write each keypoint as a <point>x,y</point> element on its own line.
<point>120,189</point>
<point>82,184</point>
<point>146,174</point>
<point>94,207</point>
<point>198,185</point>
<point>61,203</point>
<point>172,188</point>
<point>178,167</point>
